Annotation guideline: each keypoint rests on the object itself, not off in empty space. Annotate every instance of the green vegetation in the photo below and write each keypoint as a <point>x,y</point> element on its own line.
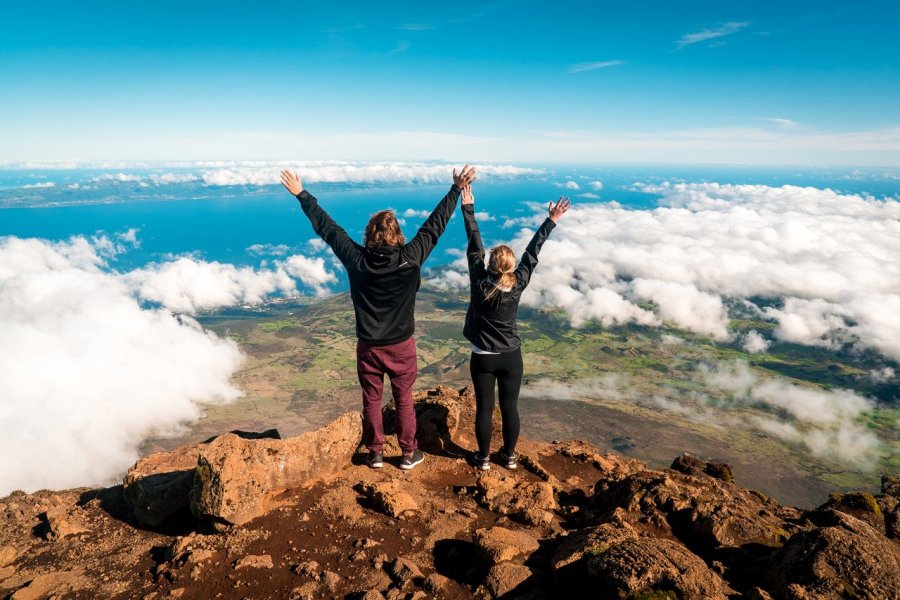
<point>301,358</point>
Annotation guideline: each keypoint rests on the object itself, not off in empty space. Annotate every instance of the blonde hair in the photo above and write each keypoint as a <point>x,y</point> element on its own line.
<point>383,230</point>
<point>501,266</point>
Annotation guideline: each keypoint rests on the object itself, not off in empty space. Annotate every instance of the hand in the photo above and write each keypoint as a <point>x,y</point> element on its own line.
<point>291,182</point>
<point>467,197</point>
<point>465,177</point>
<point>559,209</point>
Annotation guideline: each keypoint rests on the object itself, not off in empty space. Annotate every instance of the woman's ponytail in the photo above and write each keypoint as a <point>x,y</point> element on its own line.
<point>501,267</point>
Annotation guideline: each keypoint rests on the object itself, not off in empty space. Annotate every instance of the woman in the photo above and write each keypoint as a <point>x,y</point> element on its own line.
<point>491,327</point>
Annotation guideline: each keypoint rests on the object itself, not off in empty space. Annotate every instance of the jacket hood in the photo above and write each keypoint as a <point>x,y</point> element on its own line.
<point>379,257</point>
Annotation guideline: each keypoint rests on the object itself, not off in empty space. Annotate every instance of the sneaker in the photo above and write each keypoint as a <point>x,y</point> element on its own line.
<point>482,462</point>
<point>375,460</point>
<point>412,459</point>
<point>508,460</point>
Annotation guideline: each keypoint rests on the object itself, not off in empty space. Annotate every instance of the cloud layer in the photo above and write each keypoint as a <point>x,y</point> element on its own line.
<point>823,266</point>
<point>259,173</point>
<point>826,423</point>
<point>88,370</point>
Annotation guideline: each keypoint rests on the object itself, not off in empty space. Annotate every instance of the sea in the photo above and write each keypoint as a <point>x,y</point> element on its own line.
<point>174,212</point>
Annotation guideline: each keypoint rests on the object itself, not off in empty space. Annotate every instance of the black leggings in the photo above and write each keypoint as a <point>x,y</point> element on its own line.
<point>505,371</point>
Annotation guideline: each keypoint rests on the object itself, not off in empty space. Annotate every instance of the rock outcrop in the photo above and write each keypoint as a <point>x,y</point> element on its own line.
<point>236,479</point>
<point>158,486</point>
<point>572,521</point>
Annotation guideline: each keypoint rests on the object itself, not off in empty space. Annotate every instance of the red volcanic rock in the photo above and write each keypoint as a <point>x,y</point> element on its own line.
<point>636,568</point>
<point>235,478</point>
<point>499,544</point>
<point>843,557</point>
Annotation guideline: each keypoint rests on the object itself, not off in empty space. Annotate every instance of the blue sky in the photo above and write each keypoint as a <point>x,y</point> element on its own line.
<point>680,82</point>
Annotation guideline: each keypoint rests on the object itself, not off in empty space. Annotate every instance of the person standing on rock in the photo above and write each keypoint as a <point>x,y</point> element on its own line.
<point>496,360</point>
<point>384,275</point>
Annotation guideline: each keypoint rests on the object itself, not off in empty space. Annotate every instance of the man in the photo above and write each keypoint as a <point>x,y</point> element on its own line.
<point>384,277</point>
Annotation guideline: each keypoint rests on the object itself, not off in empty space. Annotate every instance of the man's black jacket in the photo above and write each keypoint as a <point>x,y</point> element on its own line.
<point>491,322</point>
<point>384,279</point>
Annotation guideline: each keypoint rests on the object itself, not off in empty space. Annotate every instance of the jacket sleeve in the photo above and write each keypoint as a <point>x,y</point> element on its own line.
<point>333,234</point>
<point>530,258</point>
<point>426,238</point>
<point>475,249</point>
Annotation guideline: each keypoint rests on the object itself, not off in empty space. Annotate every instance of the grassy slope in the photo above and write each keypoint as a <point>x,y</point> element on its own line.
<point>301,372</point>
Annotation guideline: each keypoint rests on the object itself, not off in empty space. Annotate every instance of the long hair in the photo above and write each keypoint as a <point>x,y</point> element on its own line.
<point>501,266</point>
<point>383,230</point>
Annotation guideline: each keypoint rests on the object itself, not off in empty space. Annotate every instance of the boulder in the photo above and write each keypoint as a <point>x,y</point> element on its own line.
<point>505,578</point>
<point>890,486</point>
<point>702,511</point>
<point>498,544</point>
<point>572,548</point>
<point>507,495</point>
<point>402,570</point>
<point>437,418</point>
<point>49,584</point>
<point>159,485</point>
<point>640,567</point>
<point>254,561</point>
<point>844,557</point>
<point>892,524</point>
<point>691,465</point>
<point>437,585</point>
<point>236,478</point>
<point>858,504</point>
<point>610,465</point>
<point>7,555</point>
<point>60,522</point>
<point>390,498</point>
<point>330,580</point>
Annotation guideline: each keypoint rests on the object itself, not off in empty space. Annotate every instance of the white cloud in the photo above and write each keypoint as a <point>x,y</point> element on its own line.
<point>259,173</point>
<point>593,66</point>
<point>828,262</point>
<point>130,237</point>
<point>781,122</point>
<point>311,271</point>
<point>610,386</point>
<point>270,249</point>
<point>882,375</point>
<point>89,366</point>
<point>685,305</point>
<point>41,185</point>
<point>589,196</point>
<point>343,172</point>
<point>825,421</point>
<point>755,343</point>
<point>596,185</point>
<point>87,374</point>
<point>189,285</point>
<point>413,213</point>
<point>484,216</point>
<point>713,33</point>
<point>569,185</point>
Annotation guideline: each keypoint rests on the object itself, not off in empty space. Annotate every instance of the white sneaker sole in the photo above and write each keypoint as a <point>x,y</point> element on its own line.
<point>410,466</point>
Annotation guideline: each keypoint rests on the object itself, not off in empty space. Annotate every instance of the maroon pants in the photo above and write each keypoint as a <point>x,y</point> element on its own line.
<point>399,362</point>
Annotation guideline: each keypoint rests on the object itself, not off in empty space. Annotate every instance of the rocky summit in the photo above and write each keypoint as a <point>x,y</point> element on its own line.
<point>255,516</point>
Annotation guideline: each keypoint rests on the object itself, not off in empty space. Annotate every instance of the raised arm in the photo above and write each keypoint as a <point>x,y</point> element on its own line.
<point>326,228</point>
<point>431,230</point>
<point>530,258</point>
<point>474,249</point>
